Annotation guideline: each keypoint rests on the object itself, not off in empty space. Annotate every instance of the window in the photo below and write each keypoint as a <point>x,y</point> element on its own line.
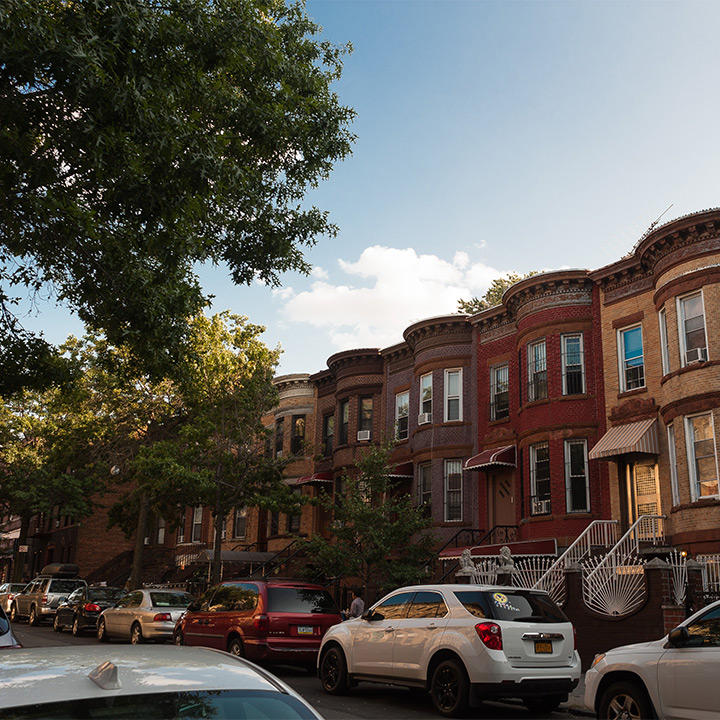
<point>197,524</point>
<point>279,433</point>
<point>537,371</point>
<point>453,395</point>
<point>672,458</point>
<point>240,522</point>
<point>540,479</point>
<point>425,487</point>
<point>453,490</point>
<point>365,413</point>
<point>573,364</point>
<point>702,455</point>
<point>274,523</point>
<point>293,521</point>
<point>632,363</point>
<point>664,350</point>
<point>577,490</point>
<point>181,530</point>
<point>426,396</point>
<point>161,531</point>
<point>705,631</point>
<point>499,393</point>
<point>691,326</point>
<point>344,421</point>
<point>427,604</point>
<point>297,437</point>
<point>328,434</point>
<point>402,409</point>
<point>394,608</point>
<point>235,597</point>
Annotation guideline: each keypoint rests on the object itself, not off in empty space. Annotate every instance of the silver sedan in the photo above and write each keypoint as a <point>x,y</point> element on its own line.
<point>143,615</point>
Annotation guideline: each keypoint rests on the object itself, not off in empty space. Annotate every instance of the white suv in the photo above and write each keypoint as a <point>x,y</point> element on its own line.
<point>462,643</point>
<point>673,678</point>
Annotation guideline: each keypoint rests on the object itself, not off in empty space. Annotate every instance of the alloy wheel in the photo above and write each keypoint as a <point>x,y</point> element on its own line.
<point>445,688</point>
<point>330,670</point>
<point>101,632</point>
<point>235,647</point>
<point>136,634</point>
<point>623,707</point>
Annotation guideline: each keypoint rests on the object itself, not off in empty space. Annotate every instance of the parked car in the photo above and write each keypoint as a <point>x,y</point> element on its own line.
<point>81,610</point>
<point>674,677</point>
<point>7,592</point>
<point>462,643</point>
<point>147,682</point>
<point>271,620</point>
<point>7,639</point>
<point>148,614</point>
<point>39,599</point>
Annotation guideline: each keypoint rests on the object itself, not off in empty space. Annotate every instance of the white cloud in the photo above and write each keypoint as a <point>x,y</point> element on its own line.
<point>319,272</point>
<point>401,287</point>
<point>284,293</point>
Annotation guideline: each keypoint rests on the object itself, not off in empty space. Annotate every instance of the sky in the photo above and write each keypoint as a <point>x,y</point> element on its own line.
<point>492,137</point>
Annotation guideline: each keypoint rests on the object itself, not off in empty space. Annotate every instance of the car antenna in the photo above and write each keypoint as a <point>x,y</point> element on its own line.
<point>105,676</point>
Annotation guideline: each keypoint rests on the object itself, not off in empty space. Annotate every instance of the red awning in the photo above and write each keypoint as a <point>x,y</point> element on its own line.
<point>502,456</point>
<point>403,470</point>
<point>315,477</point>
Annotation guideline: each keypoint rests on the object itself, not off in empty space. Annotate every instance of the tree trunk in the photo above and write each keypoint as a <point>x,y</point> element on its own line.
<point>217,545</point>
<point>135,580</point>
<point>18,566</point>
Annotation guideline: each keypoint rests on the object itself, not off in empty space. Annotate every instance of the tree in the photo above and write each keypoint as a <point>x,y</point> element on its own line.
<point>141,137</point>
<point>378,531</point>
<point>493,295</point>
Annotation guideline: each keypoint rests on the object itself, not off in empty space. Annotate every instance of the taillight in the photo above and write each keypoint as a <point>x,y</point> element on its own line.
<point>43,600</point>
<point>162,617</point>
<point>491,635</point>
<point>261,622</point>
<point>91,607</point>
<point>10,596</point>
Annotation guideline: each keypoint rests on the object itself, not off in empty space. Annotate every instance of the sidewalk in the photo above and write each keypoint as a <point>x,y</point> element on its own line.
<point>576,700</point>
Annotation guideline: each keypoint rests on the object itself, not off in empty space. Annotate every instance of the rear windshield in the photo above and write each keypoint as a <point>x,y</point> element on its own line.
<point>171,600</point>
<point>107,594</point>
<point>300,600</point>
<point>15,588</point>
<point>65,586</point>
<point>517,605</point>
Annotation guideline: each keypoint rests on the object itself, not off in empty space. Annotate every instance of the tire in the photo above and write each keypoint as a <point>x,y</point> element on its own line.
<point>102,635</point>
<point>33,618</point>
<point>57,627</point>
<point>450,688</point>
<point>136,636</point>
<point>333,671</point>
<point>544,704</point>
<point>235,647</point>
<point>178,638</point>
<point>625,700</point>
<point>76,626</point>
<point>13,613</point>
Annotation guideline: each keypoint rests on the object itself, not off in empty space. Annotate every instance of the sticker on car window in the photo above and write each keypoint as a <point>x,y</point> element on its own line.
<point>501,601</point>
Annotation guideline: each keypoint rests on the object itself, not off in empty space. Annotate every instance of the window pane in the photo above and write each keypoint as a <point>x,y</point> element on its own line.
<point>427,605</point>
<point>632,343</point>
<point>426,393</point>
<point>394,607</point>
<point>453,410</point>
<point>453,384</point>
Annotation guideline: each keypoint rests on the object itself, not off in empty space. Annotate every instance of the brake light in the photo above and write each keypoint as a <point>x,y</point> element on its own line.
<point>91,607</point>
<point>491,635</point>
<point>162,617</point>
<point>43,600</point>
<point>261,622</point>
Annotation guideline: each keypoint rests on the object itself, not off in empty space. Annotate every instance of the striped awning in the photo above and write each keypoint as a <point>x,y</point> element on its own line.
<point>636,437</point>
<point>503,456</point>
<point>403,470</point>
<point>315,477</point>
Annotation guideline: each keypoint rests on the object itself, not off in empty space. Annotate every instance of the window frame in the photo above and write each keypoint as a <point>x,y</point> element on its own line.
<point>423,401</point>
<point>622,360</point>
<point>446,490</point>
<point>362,419</point>
<point>448,397</point>
<point>297,440</point>
<point>664,347</point>
<point>563,354</point>
<point>681,324</point>
<point>406,416</point>
<point>160,530</point>
<point>569,477</point>
<point>237,514</point>
<point>421,491</point>
<point>344,415</point>
<point>494,391</point>
<point>197,509</point>
<point>328,439</point>
<point>691,458</point>
<point>532,457</point>
<point>279,441</point>
<point>672,459</point>
<point>532,371</point>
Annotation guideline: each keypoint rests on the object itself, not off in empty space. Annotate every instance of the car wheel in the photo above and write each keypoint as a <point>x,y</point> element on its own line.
<point>178,638</point>
<point>57,627</point>
<point>102,635</point>
<point>13,613</point>
<point>235,647</point>
<point>33,618</point>
<point>624,701</point>
<point>543,705</point>
<point>333,671</point>
<point>76,626</point>
<point>449,688</point>
<point>136,636</point>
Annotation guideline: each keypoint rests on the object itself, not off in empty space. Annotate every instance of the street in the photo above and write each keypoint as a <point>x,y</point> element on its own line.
<point>365,701</point>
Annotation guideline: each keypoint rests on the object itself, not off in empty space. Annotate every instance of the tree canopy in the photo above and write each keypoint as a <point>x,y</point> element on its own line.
<point>141,137</point>
<point>494,293</point>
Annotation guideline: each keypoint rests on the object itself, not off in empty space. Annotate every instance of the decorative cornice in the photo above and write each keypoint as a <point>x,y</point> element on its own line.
<point>348,358</point>
<point>442,326</point>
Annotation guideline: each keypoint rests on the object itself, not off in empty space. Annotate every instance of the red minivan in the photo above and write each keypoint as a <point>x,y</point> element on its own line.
<point>273,620</point>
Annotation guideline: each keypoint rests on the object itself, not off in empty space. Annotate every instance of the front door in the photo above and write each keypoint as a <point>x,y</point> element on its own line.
<point>643,490</point>
<point>501,501</point>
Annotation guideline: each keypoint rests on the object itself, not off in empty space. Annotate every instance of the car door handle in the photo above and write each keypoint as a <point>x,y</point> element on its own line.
<point>389,629</point>
<point>431,627</point>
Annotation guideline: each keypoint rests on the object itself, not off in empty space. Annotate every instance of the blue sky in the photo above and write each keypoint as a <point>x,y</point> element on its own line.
<point>492,136</point>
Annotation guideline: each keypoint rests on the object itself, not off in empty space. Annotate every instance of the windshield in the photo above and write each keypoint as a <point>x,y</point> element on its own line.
<point>105,594</point>
<point>65,586</point>
<point>170,599</point>
<point>246,704</point>
<point>517,605</point>
<point>300,600</point>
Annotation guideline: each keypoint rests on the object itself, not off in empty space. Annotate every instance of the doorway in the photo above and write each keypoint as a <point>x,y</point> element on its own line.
<point>642,490</point>
<point>501,500</point>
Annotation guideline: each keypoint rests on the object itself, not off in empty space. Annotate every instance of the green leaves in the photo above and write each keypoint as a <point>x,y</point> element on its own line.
<point>494,294</point>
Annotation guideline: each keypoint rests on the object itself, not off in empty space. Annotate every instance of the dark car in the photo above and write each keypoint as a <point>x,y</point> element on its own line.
<point>7,639</point>
<point>81,610</point>
<point>272,620</point>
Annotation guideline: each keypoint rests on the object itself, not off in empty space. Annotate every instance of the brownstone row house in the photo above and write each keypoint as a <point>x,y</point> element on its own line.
<point>585,395</point>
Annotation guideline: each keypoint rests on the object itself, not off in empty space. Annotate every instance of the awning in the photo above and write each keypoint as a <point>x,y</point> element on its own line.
<point>403,470</point>
<point>10,535</point>
<point>315,477</point>
<point>636,437</point>
<point>236,556</point>
<point>502,456</point>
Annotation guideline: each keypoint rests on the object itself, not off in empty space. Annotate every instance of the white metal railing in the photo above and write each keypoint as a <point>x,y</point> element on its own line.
<point>678,564</point>
<point>529,569</point>
<point>598,534</point>
<point>710,572</point>
<point>613,588</point>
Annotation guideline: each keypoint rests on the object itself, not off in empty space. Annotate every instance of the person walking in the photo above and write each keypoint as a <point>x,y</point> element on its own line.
<point>357,606</point>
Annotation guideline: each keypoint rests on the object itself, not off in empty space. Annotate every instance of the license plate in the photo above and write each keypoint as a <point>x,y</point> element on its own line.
<point>305,629</point>
<point>542,646</point>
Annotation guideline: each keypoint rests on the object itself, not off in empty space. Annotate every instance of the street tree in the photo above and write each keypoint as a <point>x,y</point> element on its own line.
<point>139,138</point>
<point>379,533</point>
<point>493,295</point>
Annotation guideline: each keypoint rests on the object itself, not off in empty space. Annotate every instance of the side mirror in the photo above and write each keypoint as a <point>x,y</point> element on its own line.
<point>678,637</point>
<point>370,616</point>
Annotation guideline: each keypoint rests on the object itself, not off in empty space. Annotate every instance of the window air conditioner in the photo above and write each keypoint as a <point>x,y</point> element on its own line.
<point>696,355</point>
<point>363,435</point>
<point>424,418</point>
